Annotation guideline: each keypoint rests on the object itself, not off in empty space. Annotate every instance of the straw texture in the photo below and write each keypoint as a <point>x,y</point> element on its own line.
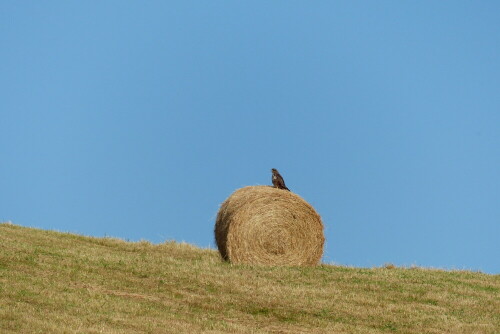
<point>269,226</point>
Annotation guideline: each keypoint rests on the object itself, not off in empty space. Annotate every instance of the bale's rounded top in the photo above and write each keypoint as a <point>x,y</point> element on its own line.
<point>266,225</point>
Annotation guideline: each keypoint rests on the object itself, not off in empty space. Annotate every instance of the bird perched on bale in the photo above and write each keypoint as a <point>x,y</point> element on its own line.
<point>278,181</point>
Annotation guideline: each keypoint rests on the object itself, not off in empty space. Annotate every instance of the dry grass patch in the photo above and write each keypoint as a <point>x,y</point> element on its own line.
<point>62,283</point>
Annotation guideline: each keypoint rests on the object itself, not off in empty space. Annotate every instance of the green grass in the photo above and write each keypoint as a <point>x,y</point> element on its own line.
<point>54,282</point>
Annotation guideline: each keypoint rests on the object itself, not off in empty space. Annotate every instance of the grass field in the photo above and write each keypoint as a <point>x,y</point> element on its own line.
<point>54,282</point>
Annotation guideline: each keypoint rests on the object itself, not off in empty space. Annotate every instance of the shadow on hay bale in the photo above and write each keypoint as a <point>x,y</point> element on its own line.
<point>265,225</point>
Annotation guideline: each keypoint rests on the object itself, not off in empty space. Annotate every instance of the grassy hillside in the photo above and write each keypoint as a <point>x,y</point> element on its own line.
<point>62,283</point>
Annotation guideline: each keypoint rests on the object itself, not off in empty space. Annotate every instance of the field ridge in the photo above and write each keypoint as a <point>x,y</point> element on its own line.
<point>53,282</point>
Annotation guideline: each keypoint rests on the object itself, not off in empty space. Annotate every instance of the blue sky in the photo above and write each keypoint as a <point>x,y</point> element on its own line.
<point>137,119</point>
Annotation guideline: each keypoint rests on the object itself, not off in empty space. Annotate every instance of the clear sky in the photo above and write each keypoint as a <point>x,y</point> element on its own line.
<point>136,119</point>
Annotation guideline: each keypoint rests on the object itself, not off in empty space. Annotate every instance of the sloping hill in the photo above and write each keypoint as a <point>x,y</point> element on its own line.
<point>63,283</point>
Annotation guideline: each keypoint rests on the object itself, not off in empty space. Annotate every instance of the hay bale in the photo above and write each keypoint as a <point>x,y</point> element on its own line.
<point>265,225</point>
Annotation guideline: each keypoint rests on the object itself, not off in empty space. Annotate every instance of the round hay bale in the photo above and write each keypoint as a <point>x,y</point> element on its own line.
<point>270,226</point>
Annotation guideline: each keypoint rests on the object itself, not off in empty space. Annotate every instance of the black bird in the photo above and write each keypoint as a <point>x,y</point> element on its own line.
<point>278,181</point>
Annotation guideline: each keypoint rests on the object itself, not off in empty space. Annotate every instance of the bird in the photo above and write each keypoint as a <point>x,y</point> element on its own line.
<point>278,181</point>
